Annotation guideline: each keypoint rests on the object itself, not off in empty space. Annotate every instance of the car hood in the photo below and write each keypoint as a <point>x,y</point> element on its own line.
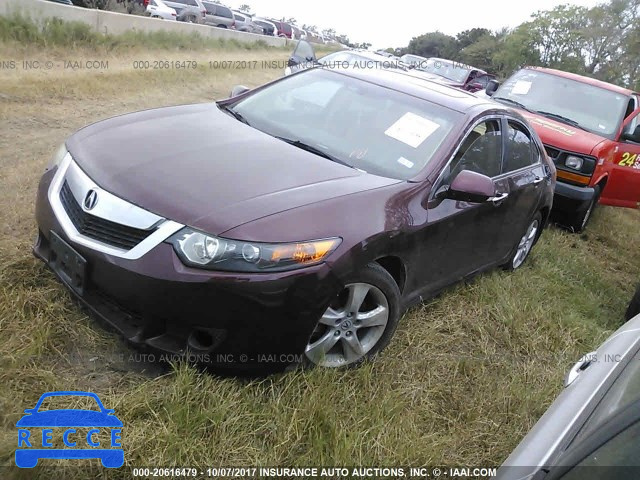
<point>561,135</point>
<point>199,166</point>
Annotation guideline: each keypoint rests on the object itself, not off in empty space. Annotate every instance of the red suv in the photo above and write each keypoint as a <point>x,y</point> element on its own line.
<point>284,29</point>
<point>591,131</point>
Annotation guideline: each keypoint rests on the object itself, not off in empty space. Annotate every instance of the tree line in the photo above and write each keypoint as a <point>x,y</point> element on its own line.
<point>601,42</point>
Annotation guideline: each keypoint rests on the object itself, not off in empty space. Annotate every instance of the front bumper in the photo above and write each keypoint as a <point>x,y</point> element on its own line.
<point>570,198</point>
<point>227,320</point>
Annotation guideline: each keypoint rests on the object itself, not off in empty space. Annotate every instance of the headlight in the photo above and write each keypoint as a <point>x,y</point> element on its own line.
<point>574,162</point>
<point>61,152</point>
<point>197,249</point>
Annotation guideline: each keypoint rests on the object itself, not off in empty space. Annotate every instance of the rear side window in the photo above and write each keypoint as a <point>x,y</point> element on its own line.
<point>240,18</point>
<point>223,12</point>
<point>521,151</point>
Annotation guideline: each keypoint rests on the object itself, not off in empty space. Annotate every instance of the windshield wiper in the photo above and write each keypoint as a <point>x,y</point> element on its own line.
<point>512,102</point>
<point>310,148</point>
<point>237,115</point>
<point>555,116</point>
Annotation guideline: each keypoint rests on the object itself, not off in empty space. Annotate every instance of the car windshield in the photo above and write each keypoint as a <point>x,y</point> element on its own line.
<point>456,72</point>
<point>413,59</point>
<point>366,126</point>
<point>563,99</point>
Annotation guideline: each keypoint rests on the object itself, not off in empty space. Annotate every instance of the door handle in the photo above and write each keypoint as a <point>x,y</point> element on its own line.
<point>538,180</point>
<point>498,198</point>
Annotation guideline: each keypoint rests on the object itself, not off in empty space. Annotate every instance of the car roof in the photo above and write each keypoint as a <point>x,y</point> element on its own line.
<point>419,87</point>
<point>454,62</point>
<point>583,79</point>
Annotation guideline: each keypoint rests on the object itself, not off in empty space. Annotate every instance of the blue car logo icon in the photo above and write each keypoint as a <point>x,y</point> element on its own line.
<point>33,445</point>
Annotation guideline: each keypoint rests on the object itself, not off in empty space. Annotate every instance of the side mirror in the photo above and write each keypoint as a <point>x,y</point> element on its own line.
<point>492,86</point>
<point>293,61</point>
<point>238,90</point>
<point>632,137</point>
<point>471,187</point>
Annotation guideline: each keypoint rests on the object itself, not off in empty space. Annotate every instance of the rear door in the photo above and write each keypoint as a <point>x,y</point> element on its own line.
<point>522,181</point>
<point>623,185</point>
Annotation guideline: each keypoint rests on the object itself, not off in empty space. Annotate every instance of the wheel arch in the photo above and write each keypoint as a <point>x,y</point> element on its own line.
<point>396,268</point>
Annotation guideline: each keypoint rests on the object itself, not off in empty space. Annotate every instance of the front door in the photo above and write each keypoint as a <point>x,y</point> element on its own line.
<point>623,185</point>
<point>458,239</point>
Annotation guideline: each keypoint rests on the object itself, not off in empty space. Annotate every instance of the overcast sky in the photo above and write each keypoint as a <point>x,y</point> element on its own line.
<point>394,23</point>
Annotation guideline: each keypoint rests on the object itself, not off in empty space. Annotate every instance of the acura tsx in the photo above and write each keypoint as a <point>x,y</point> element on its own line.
<point>294,222</point>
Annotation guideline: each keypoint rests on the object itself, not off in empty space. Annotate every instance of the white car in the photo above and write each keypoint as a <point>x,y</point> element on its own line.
<point>159,9</point>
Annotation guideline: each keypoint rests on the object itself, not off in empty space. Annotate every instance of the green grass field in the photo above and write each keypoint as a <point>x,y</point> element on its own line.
<point>466,376</point>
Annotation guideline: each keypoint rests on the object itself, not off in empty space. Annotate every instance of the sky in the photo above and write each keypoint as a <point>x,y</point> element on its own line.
<point>395,23</point>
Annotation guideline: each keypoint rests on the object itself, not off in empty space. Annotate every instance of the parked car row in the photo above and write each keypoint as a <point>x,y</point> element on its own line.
<point>217,15</point>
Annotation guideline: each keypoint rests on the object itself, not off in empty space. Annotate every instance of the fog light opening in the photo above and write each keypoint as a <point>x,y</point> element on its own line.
<point>200,340</point>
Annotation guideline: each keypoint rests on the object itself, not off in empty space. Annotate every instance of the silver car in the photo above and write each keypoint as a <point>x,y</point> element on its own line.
<point>592,430</point>
<point>218,15</point>
<point>191,11</point>
<point>244,23</point>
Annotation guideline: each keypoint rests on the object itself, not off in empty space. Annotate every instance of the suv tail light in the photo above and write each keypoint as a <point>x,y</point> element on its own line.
<point>204,13</point>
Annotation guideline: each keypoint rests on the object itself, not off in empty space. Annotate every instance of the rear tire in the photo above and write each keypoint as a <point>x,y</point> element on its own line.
<point>359,323</point>
<point>579,220</point>
<point>524,246</point>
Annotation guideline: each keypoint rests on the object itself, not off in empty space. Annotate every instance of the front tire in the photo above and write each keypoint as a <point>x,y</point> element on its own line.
<point>359,323</point>
<point>579,220</point>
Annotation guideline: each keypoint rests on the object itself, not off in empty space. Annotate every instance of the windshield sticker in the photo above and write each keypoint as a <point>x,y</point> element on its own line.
<point>521,87</point>
<point>412,129</point>
<point>405,162</point>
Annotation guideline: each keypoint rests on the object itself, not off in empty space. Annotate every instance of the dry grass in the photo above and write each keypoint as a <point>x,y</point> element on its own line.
<point>465,377</point>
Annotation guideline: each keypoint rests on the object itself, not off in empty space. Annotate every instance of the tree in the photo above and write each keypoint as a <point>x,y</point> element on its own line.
<point>469,37</point>
<point>480,52</point>
<point>245,8</point>
<point>433,44</point>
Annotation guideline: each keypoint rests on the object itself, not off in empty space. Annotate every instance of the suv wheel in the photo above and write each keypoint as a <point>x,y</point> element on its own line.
<point>580,219</point>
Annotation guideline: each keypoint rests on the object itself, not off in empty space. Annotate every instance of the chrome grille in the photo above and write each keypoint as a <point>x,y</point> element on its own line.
<point>105,231</point>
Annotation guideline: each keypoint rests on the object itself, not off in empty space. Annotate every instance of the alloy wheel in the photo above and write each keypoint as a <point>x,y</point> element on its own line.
<point>350,328</point>
<point>526,243</point>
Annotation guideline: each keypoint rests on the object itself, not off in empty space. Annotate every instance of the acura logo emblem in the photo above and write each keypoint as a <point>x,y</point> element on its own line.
<point>90,200</point>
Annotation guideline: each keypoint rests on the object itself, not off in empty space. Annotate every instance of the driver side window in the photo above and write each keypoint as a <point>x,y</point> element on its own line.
<point>480,152</point>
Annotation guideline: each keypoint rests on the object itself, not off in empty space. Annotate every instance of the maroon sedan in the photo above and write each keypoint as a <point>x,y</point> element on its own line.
<point>293,223</point>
